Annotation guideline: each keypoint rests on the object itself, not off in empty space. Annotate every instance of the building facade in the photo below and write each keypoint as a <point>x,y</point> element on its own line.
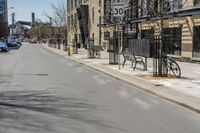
<point>3,19</point>
<point>142,19</point>
<point>181,24</point>
<point>83,17</point>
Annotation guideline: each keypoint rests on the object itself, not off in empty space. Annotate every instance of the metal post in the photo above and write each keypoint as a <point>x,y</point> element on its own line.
<point>119,45</point>
<point>161,40</point>
<point>13,23</point>
<point>100,30</point>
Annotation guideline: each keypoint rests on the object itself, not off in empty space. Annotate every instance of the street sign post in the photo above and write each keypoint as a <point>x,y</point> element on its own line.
<point>118,11</point>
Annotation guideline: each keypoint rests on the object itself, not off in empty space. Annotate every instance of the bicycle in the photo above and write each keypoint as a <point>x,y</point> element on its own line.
<point>172,66</point>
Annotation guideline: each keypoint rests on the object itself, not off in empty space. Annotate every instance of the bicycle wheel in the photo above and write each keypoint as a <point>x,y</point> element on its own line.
<point>175,69</point>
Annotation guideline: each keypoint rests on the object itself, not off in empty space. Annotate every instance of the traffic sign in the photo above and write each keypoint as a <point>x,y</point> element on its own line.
<point>118,9</point>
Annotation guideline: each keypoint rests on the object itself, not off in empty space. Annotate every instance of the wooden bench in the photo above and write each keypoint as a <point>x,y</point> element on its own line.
<point>131,57</point>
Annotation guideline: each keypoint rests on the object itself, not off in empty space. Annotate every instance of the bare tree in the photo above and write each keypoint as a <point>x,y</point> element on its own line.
<point>60,13</point>
<point>59,19</point>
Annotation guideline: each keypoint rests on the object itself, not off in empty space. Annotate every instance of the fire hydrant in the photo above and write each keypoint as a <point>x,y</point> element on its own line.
<point>69,51</point>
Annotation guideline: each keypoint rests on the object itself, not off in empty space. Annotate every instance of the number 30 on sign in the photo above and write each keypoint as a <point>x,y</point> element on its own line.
<point>118,9</point>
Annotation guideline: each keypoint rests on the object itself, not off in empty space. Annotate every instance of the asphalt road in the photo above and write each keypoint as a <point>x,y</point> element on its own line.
<point>42,92</point>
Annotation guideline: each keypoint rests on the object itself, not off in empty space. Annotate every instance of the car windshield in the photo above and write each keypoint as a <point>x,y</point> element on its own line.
<point>11,40</point>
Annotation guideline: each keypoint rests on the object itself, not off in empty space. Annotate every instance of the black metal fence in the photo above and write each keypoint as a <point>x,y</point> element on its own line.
<point>141,47</point>
<point>113,51</point>
<point>149,48</point>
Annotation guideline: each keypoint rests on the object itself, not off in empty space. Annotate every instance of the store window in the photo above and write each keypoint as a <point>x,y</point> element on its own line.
<point>134,9</point>
<point>68,21</point>
<point>75,3</point>
<point>86,1</point>
<point>172,40</point>
<point>72,20</point>
<point>196,42</point>
<point>68,5</point>
<point>72,4</point>
<point>172,5</point>
<point>147,34</point>
<point>93,14</point>
<point>106,35</point>
<point>196,2</point>
<point>149,8</point>
<point>144,7</point>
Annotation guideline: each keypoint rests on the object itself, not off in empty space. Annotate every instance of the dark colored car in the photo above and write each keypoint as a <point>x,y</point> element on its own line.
<point>12,43</point>
<point>19,42</point>
<point>3,46</point>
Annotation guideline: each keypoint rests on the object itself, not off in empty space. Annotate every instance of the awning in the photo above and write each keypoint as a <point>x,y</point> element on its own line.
<point>178,13</point>
<point>189,12</point>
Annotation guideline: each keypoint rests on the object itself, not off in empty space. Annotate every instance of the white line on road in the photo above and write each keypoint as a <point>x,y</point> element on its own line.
<point>100,80</point>
<point>124,93</point>
<point>142,103</point>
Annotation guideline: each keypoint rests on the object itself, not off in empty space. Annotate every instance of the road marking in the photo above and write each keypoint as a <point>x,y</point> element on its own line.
<point>100,80</point>
<point>79,70</point>
<point>69,64</point>
<point>196,81</point>
<point>142,103</point>
<point>124,93</point>
<point>196,71</point>
<point>63,60</point>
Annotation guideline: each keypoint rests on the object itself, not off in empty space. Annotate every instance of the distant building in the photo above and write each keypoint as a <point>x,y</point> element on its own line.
<point>3,19</point>
<point>21,29</point>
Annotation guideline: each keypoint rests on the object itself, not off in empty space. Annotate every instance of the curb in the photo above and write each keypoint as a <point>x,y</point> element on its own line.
<point>159,91</point>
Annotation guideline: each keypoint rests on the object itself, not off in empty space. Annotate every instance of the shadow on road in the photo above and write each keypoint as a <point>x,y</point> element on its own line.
<point>39,110</point>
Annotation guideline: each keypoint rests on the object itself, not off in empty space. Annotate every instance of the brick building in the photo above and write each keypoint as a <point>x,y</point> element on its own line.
<point>83,17</point>
<point>181,24</point>
<point>93,19</point>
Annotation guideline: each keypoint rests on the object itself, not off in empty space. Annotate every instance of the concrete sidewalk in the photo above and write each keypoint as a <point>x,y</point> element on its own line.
<point>184,91</point>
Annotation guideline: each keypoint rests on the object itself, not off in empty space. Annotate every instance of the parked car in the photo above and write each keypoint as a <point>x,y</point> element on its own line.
<point>19,42</point>
<point>3,46</point>
<point>12,43</point>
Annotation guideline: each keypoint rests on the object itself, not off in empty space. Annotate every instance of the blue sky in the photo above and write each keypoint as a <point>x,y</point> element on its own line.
<point>23,9</point>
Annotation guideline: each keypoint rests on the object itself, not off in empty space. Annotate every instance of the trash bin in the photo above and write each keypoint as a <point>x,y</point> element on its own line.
<point>74,47</point>
<point>90,48</point>
<point>113,51</point>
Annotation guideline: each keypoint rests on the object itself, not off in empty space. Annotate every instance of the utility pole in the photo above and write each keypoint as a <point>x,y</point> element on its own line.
<point>33,19</point>
<point>13,24</point>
